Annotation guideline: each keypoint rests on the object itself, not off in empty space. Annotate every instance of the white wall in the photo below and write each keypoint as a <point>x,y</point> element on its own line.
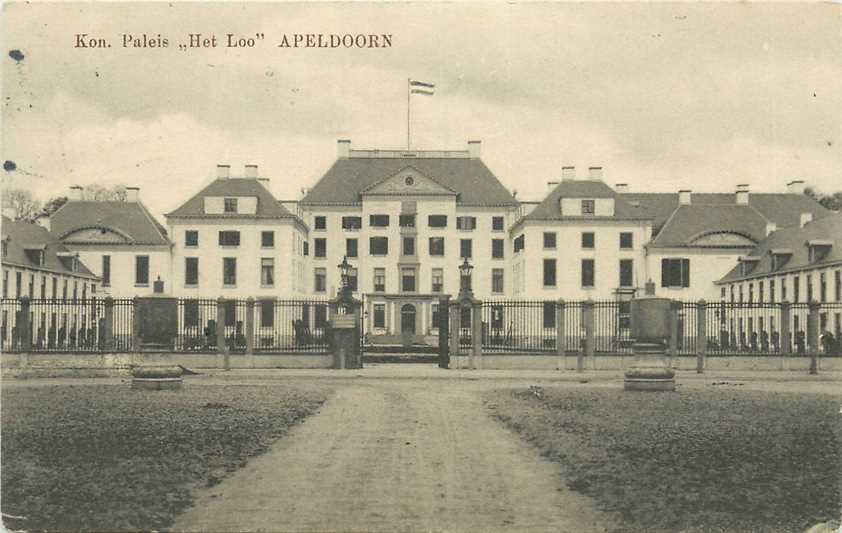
<point>706,267</point>
<point>123,267</point>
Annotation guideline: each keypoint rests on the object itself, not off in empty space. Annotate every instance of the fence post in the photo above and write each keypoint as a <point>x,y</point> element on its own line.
<point>108,324</point>
<point>588,351</point>
<point>24,325</point>
<point>250,326</point>
<point>444,331</point>
<point>476,332</point>
<point>136,318</point>
<point>455,319</point>
<point>673,323</point>
<point>813,335</point>
<point>559,335</point>
<point>701,335</point>
<point>221,347</point>
<point>786,332</point>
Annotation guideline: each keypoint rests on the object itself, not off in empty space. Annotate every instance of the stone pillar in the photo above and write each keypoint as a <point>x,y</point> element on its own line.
<point>701,335</point>
<point>650,329</point>
<point>813,336</point>
<point>560,338</point>
<point>786,329</point>
<point>250,325</point>
<point>24,325</point>
<point>444,329</point>
<point>588,351</point>
<point>673,333</point>
<point>455,320</point>
<point>476,332</point>
<point>221,346</point>
<point>108,324</point>
<point>345,331</point>
<point>136,319</point>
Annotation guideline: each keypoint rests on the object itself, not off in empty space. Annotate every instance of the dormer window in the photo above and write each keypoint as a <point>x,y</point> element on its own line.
<point>230,205</point>
<point>70,260</point>
<point>747,265</point>
<point>818,250</point>
<point>780,257</point>
<point>36,254</point>
<point>588,207</point>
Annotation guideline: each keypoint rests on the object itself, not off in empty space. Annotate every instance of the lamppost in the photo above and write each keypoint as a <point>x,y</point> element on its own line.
<point>465,270</point>
<point>344,274</point>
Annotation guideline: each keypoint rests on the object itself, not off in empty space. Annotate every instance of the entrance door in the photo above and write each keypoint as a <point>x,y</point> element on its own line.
<point>408,319</point>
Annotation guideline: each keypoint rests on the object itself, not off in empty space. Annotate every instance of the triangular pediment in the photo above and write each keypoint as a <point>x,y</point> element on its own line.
<point>408,181</point>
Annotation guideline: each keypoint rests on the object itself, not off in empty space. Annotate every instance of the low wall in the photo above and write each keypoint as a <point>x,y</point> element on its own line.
<point>115,364</point>
<point>619,362</point>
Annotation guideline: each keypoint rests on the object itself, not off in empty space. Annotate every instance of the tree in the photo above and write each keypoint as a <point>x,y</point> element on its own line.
<point>53,205</point>
<point>98,193</point>
<point>830,201</point>
<point>25,207</point>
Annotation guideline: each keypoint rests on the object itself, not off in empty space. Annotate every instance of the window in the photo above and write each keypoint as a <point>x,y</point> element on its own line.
<point>321,247</point>
<point>351,247</point>
<point>549,272</point>
<point>320,222</point>
<point>75,289</point>
<point>6,284</point>
<point>320,280</point>
<point>63,289</point>
<point>588,240</point>
<point>497,223</point>
<point>306,248</point>
<point>55,286</point>
<point>626,272</point>
<point>438,280</point>
<point>267,239</point>
<point>229,271</point>
<point>761,292</point>
<point>409,246</point>
<point>191,270</point>
<point>191,313</point>
<point>378,221</point>
<point>191,238</point>
<point>267,272</point>
<point>437,221</point>
<point>519,243</point>
<point>408,279</point>
<point>267,313</point>
<point>378,245</point>
<point>230,205</point>
<point>465,248</point>
<point>497,280</point>
<point>626,240</point>
<point>380,316</point>
<point>106,271</point>
<point>141,270</point>
<point>549,241</point>
<point>407,221</point>
<point>751,293</point>
<point>675,273</point>
<point>44,287</point>
<point>588,272</point>
<point>771,291</point>
<point>497,248</point>
<point>436,245</point>
<point>320,316</point>
<point>379,280</point>
<point>466,223</point>
<point>437,316</point>
<point>809,288</point>
<point>588,207</point>
<point>229,238</point>
<point>353,277</point>
<point>352,223</point>
<point>837,290</point>
<point>549,314</point>
<point>783,289</point>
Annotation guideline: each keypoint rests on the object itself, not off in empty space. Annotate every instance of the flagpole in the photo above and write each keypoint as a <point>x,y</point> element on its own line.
<point>408,93</point>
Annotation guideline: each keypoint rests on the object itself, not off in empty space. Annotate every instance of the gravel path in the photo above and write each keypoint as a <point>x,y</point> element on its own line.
<point>386,456</point>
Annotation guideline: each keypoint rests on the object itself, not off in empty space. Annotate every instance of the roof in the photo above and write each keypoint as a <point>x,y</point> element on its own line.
<point>130,219</point>
<point>550,208</point>
<point>784,209</point>
<point>794,239</point>
<point>473,182</point>
<point>689,222</point>
<point>267,205</point>
<point>21,236</point>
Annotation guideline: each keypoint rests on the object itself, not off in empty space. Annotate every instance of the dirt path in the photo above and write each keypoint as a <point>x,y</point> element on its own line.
<point>396,457</point>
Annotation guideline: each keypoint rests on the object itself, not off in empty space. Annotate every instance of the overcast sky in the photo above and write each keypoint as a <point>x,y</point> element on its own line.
<point>662,96</point>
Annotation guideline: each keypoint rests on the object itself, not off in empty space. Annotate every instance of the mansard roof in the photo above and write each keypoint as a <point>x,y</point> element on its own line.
<point>468,177</point>
<point>22,236</point>
<point>130,220</point>
<point>267,205</point>
<point>794,240</point>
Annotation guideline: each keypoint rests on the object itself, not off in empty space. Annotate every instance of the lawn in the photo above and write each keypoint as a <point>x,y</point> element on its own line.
<point>696,460</point>
<point>108,458</point>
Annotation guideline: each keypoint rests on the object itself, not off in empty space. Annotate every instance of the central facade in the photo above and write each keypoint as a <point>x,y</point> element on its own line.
<point>405,220</point>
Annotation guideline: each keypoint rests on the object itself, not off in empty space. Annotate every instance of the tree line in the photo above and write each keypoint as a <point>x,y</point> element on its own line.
<point>27,208</point>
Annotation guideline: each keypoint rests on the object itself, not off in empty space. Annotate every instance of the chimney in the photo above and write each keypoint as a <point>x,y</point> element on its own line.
<point>595,173</point>
<point>43,221</point>
<point>806,218</point>
<point>132,194</point>
<point>742,194</point>
<point>474,149</point>
<point>343,148</point>
<point>75,193</point>
<point>795,187</point>
<point>685,197</point>
<point>771,228</point>
<point>568,173</point>
<point>223,172</point>
<point>621,187</point>
<point>552,185</point>
<point>251,171</point>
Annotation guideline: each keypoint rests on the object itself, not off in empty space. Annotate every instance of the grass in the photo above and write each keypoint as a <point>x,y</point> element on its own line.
<point>695,460</point>
<point>107,458</point>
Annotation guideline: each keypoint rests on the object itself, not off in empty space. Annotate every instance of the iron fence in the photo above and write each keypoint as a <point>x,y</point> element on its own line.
<point>291,326</point>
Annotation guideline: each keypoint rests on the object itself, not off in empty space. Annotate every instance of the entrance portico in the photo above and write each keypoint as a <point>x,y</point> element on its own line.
<point>389,317</point>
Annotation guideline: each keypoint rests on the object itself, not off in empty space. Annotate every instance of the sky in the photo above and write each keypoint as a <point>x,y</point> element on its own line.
<point>662,96</point>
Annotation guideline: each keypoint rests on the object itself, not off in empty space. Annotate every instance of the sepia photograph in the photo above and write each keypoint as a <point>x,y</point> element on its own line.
<point>421,266</point>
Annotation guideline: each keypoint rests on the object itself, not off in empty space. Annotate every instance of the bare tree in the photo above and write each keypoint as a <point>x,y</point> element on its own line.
<point>25,207</point>
<point>53,204</point>
<point>831,201</point>
<point>98,193</point>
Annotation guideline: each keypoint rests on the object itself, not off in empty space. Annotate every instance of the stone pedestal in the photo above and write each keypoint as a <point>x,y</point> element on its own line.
<point>157,377</point>
<point>650,329</point>
<point>346,341</point>
<point>157,327</point>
